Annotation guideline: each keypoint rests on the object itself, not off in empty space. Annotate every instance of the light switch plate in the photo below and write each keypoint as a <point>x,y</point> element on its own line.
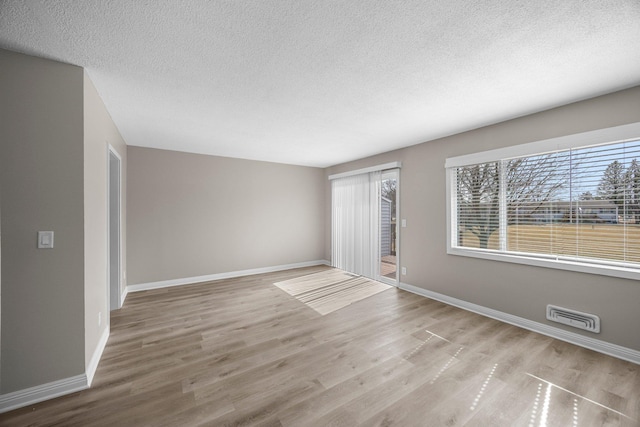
<point>45,239</point>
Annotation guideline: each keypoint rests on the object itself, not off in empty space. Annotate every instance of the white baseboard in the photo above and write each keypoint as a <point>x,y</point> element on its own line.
<point>39,393</point>
<point>570,337</point>
<point>97,354</point>
<point>208,278</point>
<point>29,396</point>
<point>123,296</point>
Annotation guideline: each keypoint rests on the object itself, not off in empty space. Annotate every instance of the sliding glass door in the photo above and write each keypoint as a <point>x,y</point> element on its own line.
<point>388,226</point>
<point>363,220</point>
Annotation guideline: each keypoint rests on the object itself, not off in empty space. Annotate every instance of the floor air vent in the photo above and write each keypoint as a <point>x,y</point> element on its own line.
<point>586,321</point>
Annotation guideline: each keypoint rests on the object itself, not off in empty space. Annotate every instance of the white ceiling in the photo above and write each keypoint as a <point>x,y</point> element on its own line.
<point>326,81</point>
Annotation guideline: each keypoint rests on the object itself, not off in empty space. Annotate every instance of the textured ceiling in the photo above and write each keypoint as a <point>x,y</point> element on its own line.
<point>325,81</point>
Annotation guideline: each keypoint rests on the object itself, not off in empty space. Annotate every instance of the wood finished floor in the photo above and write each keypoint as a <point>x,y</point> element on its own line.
<point>243,352</point>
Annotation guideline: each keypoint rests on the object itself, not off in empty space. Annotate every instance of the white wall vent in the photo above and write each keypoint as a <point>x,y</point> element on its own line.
<point>577,319</point>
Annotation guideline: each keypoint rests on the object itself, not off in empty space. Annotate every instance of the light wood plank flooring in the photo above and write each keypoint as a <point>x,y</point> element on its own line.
<point>243,352</point>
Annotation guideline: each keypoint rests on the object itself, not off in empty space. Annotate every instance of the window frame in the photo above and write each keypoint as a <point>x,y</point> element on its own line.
<point>605,136</point>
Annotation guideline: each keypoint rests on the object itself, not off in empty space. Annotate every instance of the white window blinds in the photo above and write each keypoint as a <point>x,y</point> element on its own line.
<point>578,204</point>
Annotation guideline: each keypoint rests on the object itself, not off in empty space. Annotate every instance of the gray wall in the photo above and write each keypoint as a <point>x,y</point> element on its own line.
<point>54,130</point>
<point>99,133</point>
<point>192,215</point>
<point>516,289</point>
<point>41,173</point>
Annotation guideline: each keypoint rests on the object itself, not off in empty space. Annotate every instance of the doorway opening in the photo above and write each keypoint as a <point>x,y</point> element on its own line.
<point>114,267</point>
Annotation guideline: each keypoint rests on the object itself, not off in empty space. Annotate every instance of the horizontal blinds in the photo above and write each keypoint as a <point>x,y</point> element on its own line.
<point>478,190</point>
<point>579,203</point>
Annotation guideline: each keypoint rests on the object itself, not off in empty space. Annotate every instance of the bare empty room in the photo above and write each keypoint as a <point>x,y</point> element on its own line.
<point>313,213</point>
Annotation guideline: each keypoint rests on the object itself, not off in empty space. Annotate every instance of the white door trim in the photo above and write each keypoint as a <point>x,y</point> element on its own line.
<point>114,290</point>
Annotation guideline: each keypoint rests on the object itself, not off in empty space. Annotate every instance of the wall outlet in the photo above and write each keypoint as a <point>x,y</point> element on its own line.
<point>404,271</point>
<point>99,318</point>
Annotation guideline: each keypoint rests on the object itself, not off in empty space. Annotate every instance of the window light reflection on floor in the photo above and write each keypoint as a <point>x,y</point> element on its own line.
<point>575,404</point>
<point>483,388</point>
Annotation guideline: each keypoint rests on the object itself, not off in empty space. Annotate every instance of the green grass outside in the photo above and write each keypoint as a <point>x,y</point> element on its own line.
<point>604,241</point>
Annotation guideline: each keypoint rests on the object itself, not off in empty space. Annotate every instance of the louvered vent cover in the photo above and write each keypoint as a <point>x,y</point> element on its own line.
<point>586,321</point>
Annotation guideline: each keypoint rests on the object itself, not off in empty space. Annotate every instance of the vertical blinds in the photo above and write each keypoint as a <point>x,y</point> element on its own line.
<point>355,206</point>
<point>580,203</point>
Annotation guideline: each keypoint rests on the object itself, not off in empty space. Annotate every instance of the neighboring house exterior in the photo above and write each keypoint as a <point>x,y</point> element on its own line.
<point>587,211</point>
<point>385,227</point>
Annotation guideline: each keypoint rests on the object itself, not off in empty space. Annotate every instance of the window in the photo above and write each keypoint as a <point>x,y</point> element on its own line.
<point>570,202</point>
